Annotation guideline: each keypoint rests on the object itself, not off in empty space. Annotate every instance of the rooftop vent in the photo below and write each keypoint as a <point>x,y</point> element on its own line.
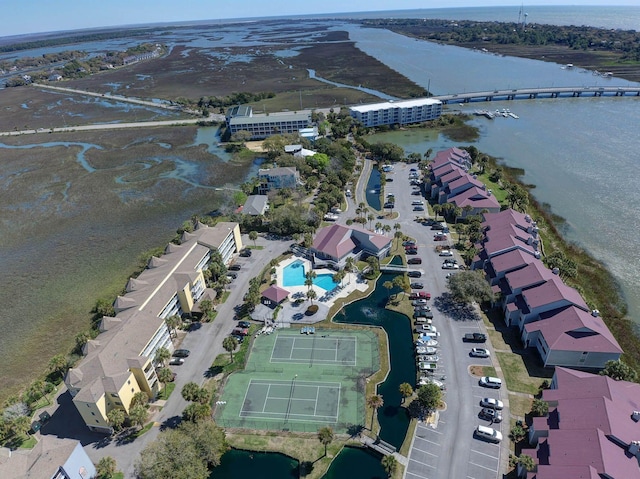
<point>595,313</point>
<point>634,448</point>
<point>527,218</point>
<point>536,254</point>
<point>555,271</point>
<point>636,416</point>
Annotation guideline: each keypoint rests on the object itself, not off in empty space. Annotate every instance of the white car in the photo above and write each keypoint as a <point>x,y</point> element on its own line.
<point>479,353</point>
<point>446,252</point>
<point>450,266</point>
<point>419,302</point>
<point>489,434</point>
<point>492,403</point>
<point>490,382</point>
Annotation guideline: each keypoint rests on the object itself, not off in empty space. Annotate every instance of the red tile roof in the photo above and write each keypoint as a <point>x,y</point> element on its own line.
<point>275,293</point>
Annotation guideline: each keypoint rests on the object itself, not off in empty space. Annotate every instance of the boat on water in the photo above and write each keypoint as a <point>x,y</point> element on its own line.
<point>513,115</point>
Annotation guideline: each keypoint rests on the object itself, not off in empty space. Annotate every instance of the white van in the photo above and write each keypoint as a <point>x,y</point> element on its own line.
<point>488,434</point>
<point>417,203</point>
<point>347,193</point>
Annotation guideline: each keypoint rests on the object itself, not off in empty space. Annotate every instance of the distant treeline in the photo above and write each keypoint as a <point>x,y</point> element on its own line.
<point>240,98</point>
<point>72,39</point>
<point>626,43</point>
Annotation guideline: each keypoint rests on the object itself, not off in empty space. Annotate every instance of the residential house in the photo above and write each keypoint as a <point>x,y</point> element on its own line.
<point>475,201</point>
<point>50,458</point>
<point>333,244</point>
<point>592,429</point>
<point>274,295</point>
<point>278,178</point>
<point>397,112</point>
<point>256,205</point>
<point>120,362</point>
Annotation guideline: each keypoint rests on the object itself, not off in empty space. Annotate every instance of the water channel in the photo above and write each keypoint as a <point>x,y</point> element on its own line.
<point>374,187</point>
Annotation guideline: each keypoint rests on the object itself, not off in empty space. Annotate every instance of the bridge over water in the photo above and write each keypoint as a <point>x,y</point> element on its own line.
<point>539,92</point>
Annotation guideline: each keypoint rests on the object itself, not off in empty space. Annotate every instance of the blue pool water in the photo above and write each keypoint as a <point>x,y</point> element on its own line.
<point>293,275</point>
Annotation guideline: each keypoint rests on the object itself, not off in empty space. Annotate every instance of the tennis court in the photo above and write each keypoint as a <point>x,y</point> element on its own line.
<point>323,349</point>
<point>294,400</point>
<point>296,382</point>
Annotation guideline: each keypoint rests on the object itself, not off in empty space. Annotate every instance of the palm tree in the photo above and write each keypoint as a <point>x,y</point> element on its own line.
<point>116,418</point>
<point>253,236</point>
<point>349,264</point>
<point>20,425</point>
<point>190,391</point>
<point>58,364</point>
<point>230,344</point>
<point>386,229</point>
<point>389,464</point>
<point>375,402</point>
<point>106,468</point>
<point>138,415</point>
<point>325,436</point>
<point>378,226</point>
<point>311,295</point>
<point>398,235</point>
<point>310,276</point>
<point>370,217</point>
<point>139,399</point>
<point>206,307</point>
<point>162,355</point>
<point>165,375</point>
<point>397,226</point>
<point>172,323</point>
<point>437,209</point>
<point>406,390</point>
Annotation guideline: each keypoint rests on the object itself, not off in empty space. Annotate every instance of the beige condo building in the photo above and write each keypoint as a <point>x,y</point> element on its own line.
<point>120,361</point>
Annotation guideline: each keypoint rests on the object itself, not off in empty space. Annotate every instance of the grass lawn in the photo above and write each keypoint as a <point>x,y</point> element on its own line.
<point>139,433</point>
<point>519,405</point>
<point>516,374</point>
<point>28,443</point>
<point>166,392</point>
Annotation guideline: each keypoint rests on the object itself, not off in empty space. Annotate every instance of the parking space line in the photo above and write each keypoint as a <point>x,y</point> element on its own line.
<point>427,440</point>
<point>413,474</point>
<point>426,452</point>
<point>422,463</point>
<point>484,454</point>
<point>435,432</point>
<point>483,467</point>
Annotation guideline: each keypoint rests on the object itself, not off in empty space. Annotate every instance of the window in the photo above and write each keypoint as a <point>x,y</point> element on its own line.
<point>132,390</point>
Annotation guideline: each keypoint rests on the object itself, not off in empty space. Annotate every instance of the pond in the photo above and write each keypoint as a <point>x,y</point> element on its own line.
<point>373,190</point>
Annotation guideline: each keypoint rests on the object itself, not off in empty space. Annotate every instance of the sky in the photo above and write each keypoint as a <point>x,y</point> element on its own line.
<point>35,16</point>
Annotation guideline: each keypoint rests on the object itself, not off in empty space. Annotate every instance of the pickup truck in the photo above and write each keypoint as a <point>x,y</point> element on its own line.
<point>475,337</point>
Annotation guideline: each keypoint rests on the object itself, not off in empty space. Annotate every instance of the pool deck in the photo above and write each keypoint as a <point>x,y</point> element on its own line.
<point>292,311</point>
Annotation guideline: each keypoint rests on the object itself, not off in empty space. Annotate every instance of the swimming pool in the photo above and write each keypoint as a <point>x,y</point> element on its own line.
<point>293,275</point>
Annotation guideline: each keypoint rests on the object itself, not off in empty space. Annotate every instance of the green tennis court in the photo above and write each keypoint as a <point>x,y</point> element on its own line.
<point>296,381</point>
<point>310,401</point>
<point>317,348</point>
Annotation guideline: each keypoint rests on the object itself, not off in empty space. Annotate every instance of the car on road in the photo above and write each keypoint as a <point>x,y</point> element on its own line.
<point>411,246</point>
<point>235,267</point>
<point>411,251</point>
<point>479,353</point>
<point>408,243</point>
<point>176,362</point>
<point>245,253</point>
<point>490,414</point>
<point>418,208</point>
<point>232,275</point>
<point>414,261</point>
<point>416,192</point>
<point>238,338</point>
<point>492,403</point>
<point>474,337</point>
<point>419,302</point>
<point>240,331</point>
<point>490,382</point>
<point>417,286</point>
<point>445,252</point>
<point>181,353</point>
<point>438,226</point>
<point>440,237</point>
<point>414,274</point>
<point>488,434</point>
<point>244,324</point>
<point>417,203</point>
<point>419,295</point>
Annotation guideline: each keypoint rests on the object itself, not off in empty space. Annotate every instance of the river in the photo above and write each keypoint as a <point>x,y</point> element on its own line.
<point>581,153</point>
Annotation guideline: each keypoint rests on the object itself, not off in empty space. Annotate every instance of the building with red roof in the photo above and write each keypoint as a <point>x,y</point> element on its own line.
<point>592,429</point>
<point>333,244</point>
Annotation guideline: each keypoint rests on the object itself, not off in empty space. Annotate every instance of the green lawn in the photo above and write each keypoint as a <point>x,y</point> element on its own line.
<point>166,392</point>
<point>516,374</point>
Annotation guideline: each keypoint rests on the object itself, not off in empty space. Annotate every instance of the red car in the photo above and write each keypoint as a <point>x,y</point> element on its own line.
<point>440,238</point>
<point>419,295</point>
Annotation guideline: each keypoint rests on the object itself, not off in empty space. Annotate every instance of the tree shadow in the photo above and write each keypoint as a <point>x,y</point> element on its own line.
<point>213,371</point>
<point>455,310</point>
<point>171,423</point>
<point>354,430</point>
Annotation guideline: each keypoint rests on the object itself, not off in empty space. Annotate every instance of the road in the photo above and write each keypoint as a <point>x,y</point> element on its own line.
<point>213,117</point>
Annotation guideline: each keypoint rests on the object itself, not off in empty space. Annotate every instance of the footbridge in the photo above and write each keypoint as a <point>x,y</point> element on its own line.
<point>393,268</point>
<point>544,92</point>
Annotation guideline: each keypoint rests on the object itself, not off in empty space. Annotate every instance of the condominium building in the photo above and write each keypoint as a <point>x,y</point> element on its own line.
<point>263,125</point>
<point>120,361</point>
<point>397,113</point>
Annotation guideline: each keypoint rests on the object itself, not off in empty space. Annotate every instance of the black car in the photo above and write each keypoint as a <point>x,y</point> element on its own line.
<point>231,274</point>
<point>414,261</point>
<point>181,353</point>
<point>490,414</point>
<point>245,253</point>
<point>411,251</point>
<point>409,243</point>
<point>414,274</point>
<point>235,267</point>
<point>244,324</point>
<point>237,337</point>
<point>417,286</point>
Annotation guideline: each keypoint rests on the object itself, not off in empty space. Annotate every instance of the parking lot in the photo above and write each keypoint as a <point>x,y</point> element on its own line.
<point>448,448</point>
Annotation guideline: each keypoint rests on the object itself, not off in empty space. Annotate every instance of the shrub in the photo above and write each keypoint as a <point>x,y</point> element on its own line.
<point>311,310</point>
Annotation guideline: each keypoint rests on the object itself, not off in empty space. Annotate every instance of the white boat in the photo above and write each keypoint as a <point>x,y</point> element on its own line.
<point>426,350</point>
<point>427,342</point>
<point>513,115</point>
